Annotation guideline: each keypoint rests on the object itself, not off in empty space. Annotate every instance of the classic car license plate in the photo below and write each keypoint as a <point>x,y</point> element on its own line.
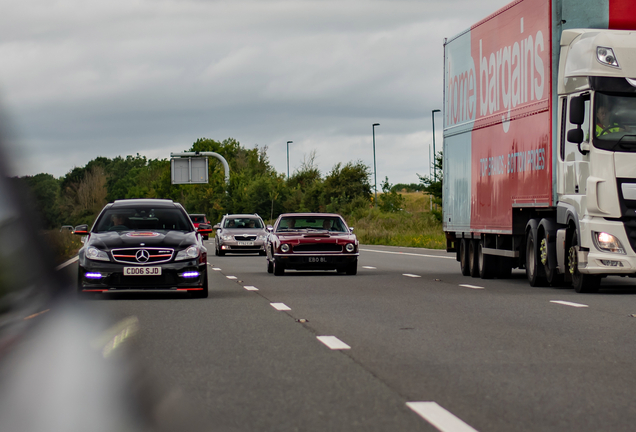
<point>245,243</point>
<point>317,259</point>
<point>142,271</point>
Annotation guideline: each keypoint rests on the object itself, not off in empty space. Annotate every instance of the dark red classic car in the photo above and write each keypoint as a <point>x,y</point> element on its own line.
<point>311,241</point>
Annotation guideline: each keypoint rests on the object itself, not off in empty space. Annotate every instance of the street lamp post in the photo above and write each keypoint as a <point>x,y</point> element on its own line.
<point>288,143</point>
<point>375,170</point>
<point>434,154</point>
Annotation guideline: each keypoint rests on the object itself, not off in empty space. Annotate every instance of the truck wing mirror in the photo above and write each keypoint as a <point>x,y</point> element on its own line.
<point>577,111</point>
<point>575,136</point>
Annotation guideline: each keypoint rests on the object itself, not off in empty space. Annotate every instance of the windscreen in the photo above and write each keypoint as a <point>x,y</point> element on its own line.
<point>143,218</point>
<point>294,223</point>
<point>239,222</point>
<point>615,122</point>
<point>197,219</point>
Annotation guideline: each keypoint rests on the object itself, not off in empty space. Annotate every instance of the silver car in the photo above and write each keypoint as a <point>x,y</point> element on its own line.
<point>240,233</point>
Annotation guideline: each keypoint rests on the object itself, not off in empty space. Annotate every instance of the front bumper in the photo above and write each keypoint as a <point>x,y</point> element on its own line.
<point>332,261</point>
<point>113,278</point>
<point>596,262</point>
<point>232,246</point>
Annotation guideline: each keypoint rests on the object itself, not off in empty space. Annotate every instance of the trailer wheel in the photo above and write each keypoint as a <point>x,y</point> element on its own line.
<point>582,283</point>
<point>534,268</point>
<point>504,268</point>
<point>473,257</point>
<point>463,257</point>
<point>487,263</point>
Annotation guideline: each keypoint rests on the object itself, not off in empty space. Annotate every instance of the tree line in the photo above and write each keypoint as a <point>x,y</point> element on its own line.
<point>254,187</point>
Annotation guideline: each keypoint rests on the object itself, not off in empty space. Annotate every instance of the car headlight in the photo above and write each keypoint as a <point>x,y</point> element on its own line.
<point>226,237</point>
<point>93,253</point>
<point>262,237</point>
<point>284,247</point>
<point>607,242</point>
<point>189,253</point>
<point>350,247</point>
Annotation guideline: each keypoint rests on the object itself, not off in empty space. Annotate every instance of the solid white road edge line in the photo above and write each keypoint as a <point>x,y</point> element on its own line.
<point>280,306</point>
<point>567,303</point>
<point>471,286</point>
<point>407,253</point>
<point>250,288</point>
<point>411,275</point>
<point>439,417</point>
<point>69,262</point>
<point>333,342</point>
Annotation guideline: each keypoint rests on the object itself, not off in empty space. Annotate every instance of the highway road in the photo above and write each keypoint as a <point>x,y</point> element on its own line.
<point>418,347</point>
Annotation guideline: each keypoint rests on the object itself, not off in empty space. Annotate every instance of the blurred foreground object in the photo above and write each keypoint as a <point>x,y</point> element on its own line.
<point>62,368</point>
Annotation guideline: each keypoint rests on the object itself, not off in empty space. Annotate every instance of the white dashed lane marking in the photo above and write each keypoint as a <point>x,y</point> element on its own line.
<point>333,342</point>
<point>280,306</point>
<point>411,275</point>
<point>369,267</point>
<point>231,277</point>
<point>439,417</point>
<point>250,288</point>
<point>567,303</point>
<point>409,254</point>
<point>471,286</point>
<point>216,269</point>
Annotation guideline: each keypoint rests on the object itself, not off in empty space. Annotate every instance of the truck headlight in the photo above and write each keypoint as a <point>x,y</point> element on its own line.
<point>93,253</point>
<point>606,56</point>
<point>284,247</point>
<point>607,242</point>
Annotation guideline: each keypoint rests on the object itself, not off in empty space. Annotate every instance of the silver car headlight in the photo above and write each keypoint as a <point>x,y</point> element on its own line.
<point>262,237</point>
<point>226,237</point>
<point>350,247</point>
<point>607,242</point>
<point>93,253</point>
<point>284,247</point>
<point>189,253</point>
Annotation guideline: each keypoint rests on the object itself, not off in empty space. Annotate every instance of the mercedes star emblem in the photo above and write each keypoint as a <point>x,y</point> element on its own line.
<point>142,256</point>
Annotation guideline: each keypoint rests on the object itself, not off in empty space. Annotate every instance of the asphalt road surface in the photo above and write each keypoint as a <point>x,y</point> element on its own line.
<point>418,347</point>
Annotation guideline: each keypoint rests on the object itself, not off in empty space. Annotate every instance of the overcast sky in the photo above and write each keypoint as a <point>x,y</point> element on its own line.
<point>82,78</point>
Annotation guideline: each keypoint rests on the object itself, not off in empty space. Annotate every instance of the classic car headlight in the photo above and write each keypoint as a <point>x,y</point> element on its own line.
<point>284,247</point>
<point>607,242</point>
<point>93,253</point>
<point>350,247</point>
<point>189,253</point>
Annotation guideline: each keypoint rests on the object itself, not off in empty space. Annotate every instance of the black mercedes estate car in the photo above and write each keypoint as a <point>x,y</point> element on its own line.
<point>143,244</point>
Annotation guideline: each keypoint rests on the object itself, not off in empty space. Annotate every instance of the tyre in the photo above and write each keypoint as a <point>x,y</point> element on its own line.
<point>204,292</point>
<point>270,267</point>
<point>552,275</point>
<point>534,269</point>
<point>504,268</point>
<point>487,263</point>
<point>279,268</point>
<point>352,269</point>
<point>216,247</point>
<point>463,257</point>
<point>582,283</point>
<point>473,258</point>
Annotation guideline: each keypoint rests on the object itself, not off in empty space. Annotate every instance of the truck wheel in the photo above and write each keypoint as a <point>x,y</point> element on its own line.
<point>473,258</point>
<point>487,263</point>
<point>553,277</point>
<point>463,257</point>
<point>582,283</point>
<point>504,267</point>
<point>534,268</point>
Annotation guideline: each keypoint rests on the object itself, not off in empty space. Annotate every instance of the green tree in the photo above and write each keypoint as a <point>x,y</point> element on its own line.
<point>390,201</point>
<point>344,184</point>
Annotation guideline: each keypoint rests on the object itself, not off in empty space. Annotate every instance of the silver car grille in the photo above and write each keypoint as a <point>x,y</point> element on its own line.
<point>244,237</point>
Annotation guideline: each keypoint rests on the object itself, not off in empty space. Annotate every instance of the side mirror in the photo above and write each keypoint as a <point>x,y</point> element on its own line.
<point>575,136</point>
<point>270,228</point>
<point>351,229</point>
<point>216,227</point>
<point>81,230</point>
<point>204,228</point>
<point>577,110</point>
